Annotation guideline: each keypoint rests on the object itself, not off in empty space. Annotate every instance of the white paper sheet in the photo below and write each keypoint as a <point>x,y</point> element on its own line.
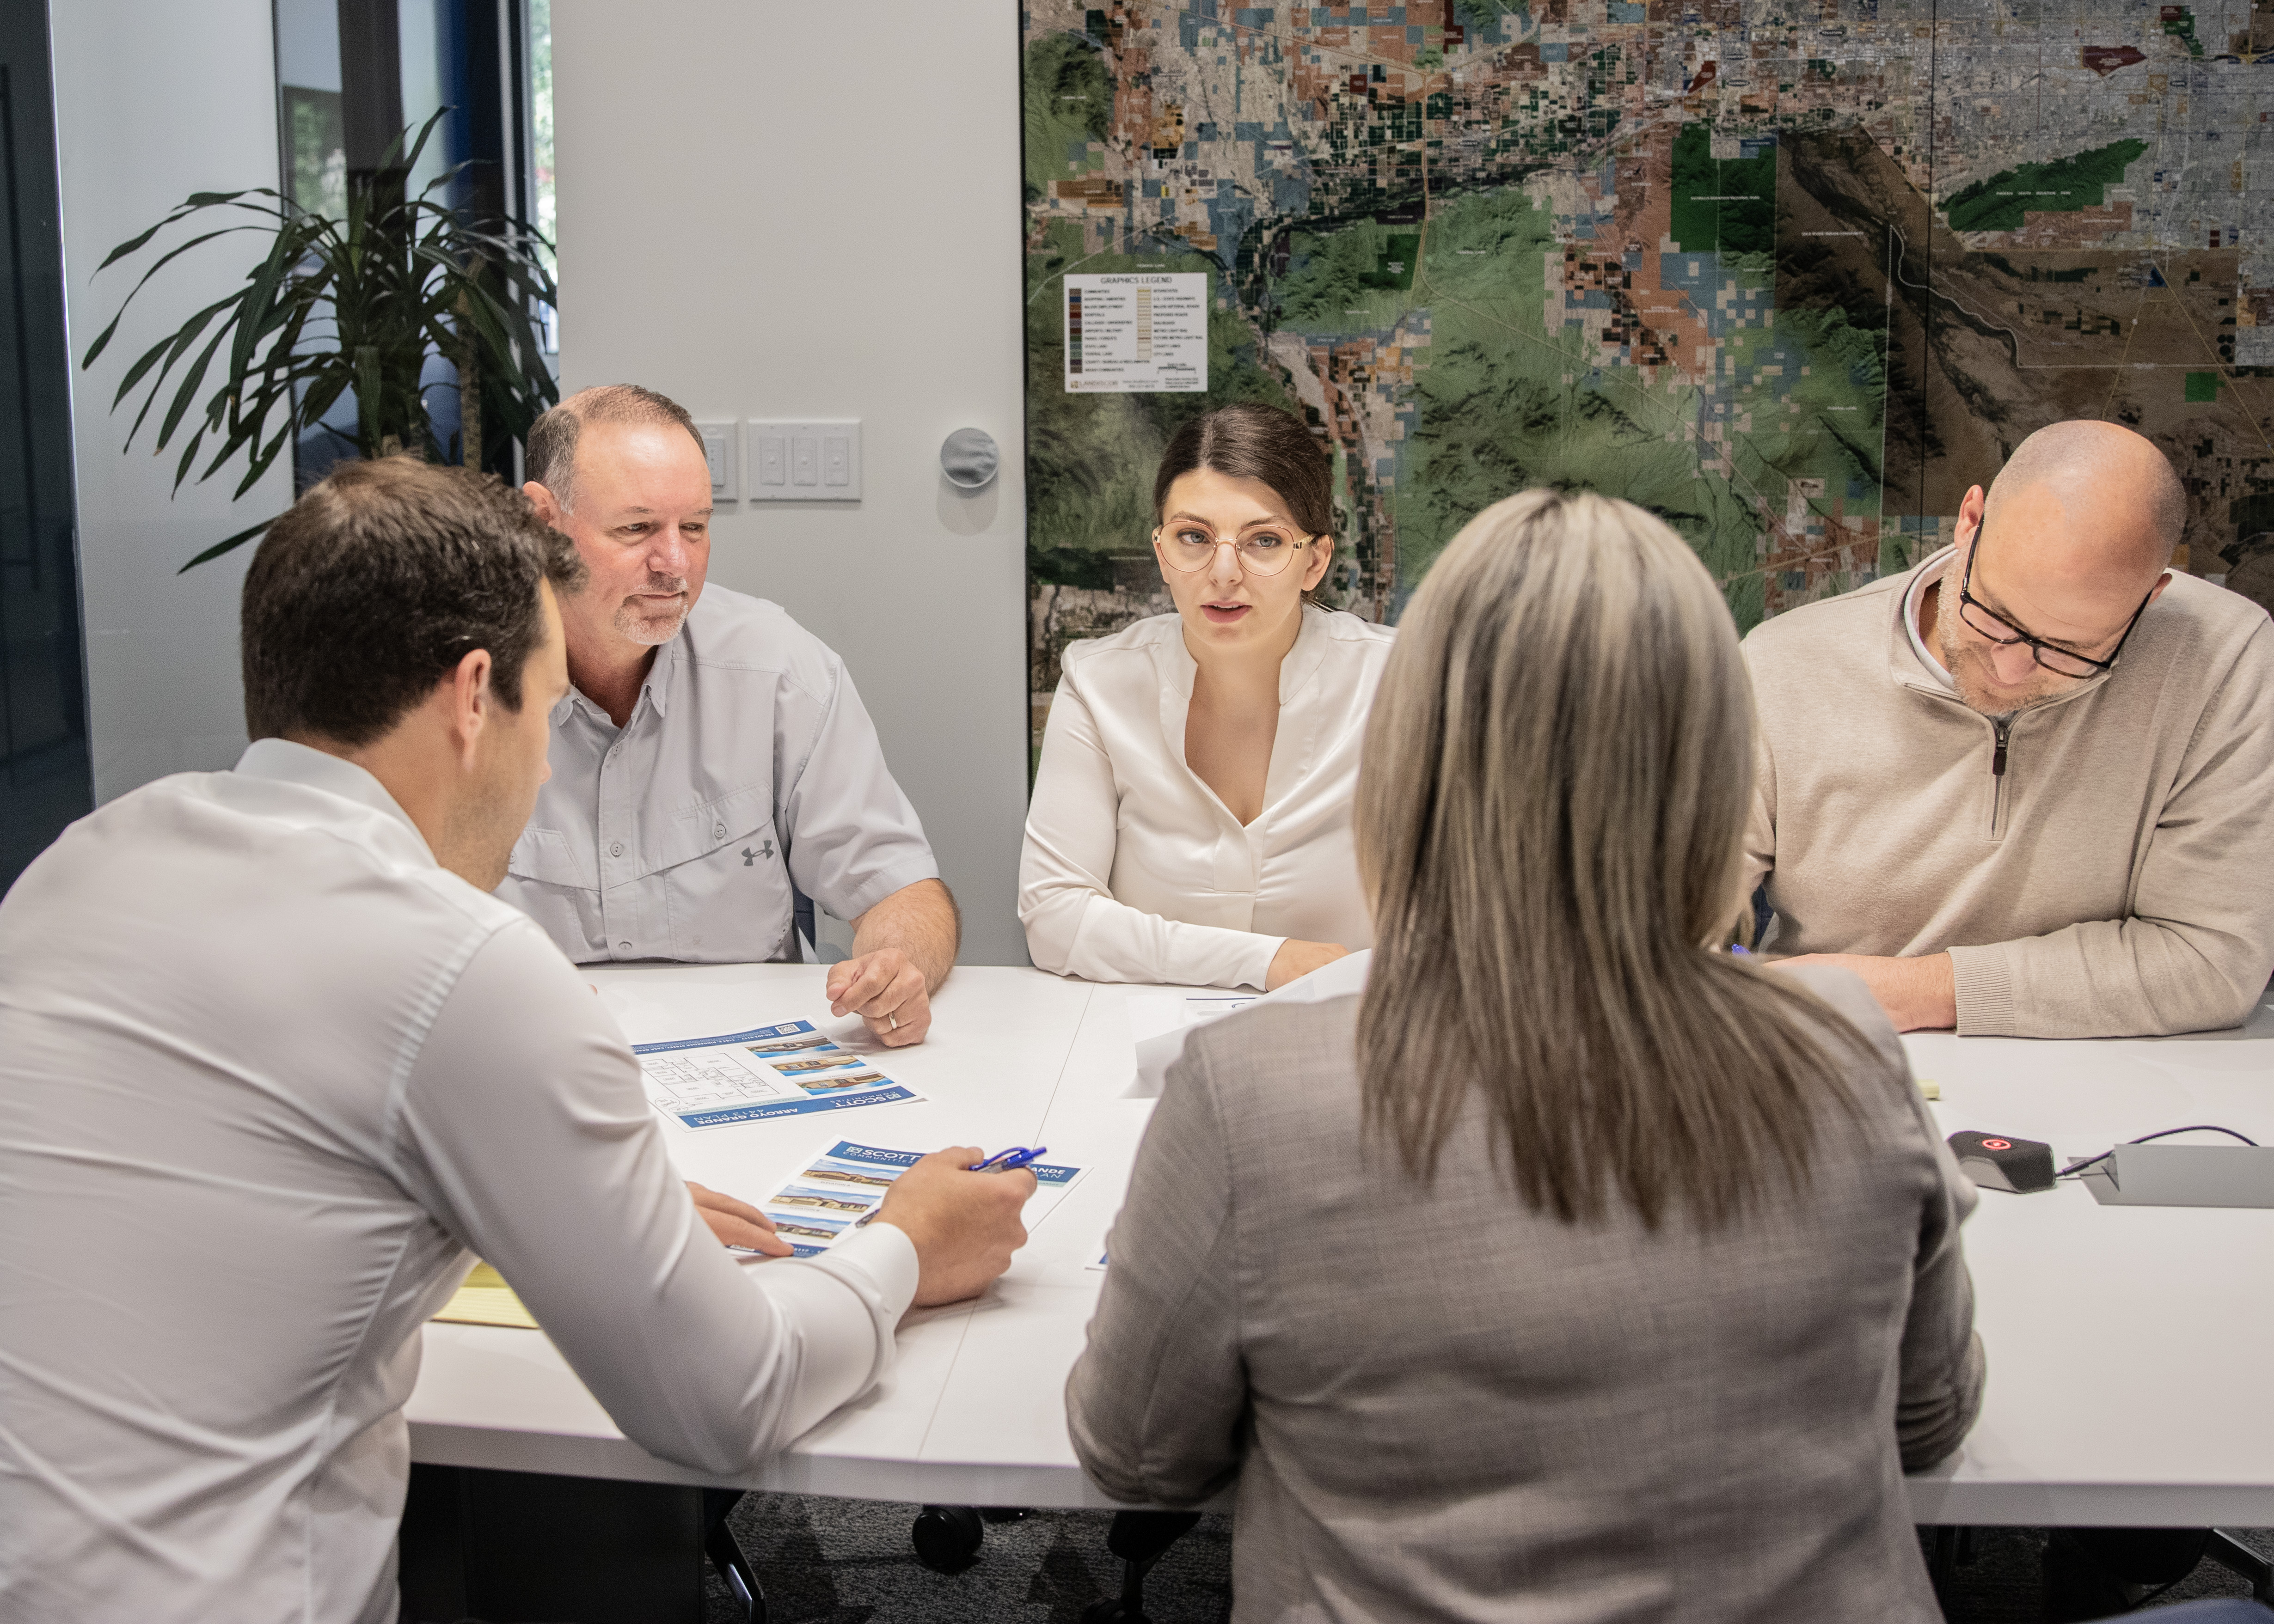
<point>789,1070</point>
<point>1158,1021</point>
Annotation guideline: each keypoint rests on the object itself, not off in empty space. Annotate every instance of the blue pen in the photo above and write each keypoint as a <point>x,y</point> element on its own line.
<point>1010,1160</point>
<point>1002,1162</point>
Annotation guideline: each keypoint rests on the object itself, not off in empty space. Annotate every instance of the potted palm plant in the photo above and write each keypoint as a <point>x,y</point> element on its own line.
<point>355,303</point>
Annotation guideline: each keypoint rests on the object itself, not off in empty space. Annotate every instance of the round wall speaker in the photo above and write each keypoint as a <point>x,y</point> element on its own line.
<point>970,458</point>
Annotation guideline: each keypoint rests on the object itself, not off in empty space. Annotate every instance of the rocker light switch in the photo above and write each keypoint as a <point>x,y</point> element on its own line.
<point>719,452</point>
<point>805,460</point>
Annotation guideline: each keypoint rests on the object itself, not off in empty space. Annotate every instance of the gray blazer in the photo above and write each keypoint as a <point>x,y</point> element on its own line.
<point>1439,1405</point>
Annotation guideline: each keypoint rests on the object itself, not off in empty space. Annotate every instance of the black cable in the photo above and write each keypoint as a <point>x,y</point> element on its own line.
<point>2200,1127</point>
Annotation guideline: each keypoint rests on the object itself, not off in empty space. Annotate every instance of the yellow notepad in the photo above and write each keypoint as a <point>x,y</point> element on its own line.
<point>486,1299</point>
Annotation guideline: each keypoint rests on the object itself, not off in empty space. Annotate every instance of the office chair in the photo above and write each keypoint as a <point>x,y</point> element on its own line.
<point>947,1537</point>
<point>1140,1538</point>
<point>726,1558</point>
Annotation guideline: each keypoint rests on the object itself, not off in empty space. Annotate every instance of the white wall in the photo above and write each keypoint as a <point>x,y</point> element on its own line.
<point>154,100</point>
<point>772,209</point>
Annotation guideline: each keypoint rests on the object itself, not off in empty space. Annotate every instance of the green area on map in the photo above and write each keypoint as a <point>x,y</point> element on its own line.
<point>1721,204</point>
<point>1998,203</point>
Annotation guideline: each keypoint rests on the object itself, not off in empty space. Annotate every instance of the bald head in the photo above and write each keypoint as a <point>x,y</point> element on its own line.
<point>2120,506</point>
<point>2073,538</point>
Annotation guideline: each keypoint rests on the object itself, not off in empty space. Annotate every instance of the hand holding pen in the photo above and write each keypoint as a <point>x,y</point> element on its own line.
<point>964,1223</point>
<point>963,1226</point>
<point>1010,1160</point>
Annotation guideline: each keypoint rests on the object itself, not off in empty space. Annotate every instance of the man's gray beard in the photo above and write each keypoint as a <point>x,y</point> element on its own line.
<point>634,627</point>
<point>1953,652</point>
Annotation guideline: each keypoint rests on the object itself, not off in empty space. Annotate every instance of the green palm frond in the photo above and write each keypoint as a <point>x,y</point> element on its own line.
<point>353,303</point>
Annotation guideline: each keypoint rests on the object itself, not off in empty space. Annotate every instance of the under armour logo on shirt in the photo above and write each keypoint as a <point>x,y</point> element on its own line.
<point>765,849</point>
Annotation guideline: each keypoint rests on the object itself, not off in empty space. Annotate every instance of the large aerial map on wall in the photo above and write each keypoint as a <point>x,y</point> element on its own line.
<point>1791,274</point>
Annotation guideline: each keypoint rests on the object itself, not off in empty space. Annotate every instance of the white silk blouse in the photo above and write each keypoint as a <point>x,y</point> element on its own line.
<point>1135,871</point>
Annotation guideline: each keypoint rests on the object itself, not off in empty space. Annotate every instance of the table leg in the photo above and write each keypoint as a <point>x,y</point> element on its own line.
<point>2245,1563</point>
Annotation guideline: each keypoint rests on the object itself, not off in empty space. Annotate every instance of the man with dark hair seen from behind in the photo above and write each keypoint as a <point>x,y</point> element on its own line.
<point>272,1060</point>
<point>2026,789</point>
<point>712,759</point>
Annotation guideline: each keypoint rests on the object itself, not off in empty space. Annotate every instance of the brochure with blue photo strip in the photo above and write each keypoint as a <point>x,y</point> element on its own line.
<point>840,1187</point>
<point>789,1070</point>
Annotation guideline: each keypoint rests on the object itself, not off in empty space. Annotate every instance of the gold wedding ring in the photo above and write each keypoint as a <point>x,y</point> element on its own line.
<point>894,1020</point>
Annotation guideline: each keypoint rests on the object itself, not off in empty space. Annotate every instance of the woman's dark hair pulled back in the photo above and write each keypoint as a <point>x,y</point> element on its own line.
<point>1250,440</point>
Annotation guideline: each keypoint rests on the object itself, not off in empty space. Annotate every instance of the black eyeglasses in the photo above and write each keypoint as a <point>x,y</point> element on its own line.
<point>2061,662</point>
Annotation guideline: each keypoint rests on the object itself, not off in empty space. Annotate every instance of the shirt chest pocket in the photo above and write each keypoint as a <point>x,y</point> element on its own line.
<point>544,855</point>
<point>546,878</point>
<point>725,886</point>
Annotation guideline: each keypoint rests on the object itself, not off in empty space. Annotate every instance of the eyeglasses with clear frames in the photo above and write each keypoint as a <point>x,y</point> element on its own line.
<point>1261,549</point>
<point>2061,662</point>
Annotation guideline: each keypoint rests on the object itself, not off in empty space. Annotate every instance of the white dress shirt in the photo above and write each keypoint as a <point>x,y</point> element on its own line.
<point>748,763</point>
<point>1135,871</point>
<point>267,1072</point>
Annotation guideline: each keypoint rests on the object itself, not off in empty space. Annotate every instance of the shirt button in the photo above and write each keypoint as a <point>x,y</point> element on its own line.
<point>624,946</point>
<point>615,849</point>
<point>718,833</point>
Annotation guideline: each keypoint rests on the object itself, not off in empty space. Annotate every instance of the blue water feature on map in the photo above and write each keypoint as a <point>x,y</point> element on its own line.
<point>1229,216</point>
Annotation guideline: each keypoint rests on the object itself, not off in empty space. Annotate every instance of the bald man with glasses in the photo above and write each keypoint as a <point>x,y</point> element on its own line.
<point>2026,789</point>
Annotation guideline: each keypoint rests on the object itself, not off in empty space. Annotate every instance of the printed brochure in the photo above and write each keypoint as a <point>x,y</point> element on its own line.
<point>784,1070</point>
<point>838,1190</point>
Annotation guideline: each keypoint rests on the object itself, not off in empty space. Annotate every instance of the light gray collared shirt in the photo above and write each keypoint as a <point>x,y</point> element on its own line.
<point>748,765</point>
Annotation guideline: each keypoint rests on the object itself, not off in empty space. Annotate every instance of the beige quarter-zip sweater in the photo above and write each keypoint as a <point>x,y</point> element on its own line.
<point>2097,866</point>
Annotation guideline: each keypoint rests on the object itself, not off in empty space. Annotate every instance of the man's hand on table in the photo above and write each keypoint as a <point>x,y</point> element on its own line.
<point>964,1225</point>
<point>887,991</point>
<point>1917,994</point>
<point>737,1223</point>
<point>902,950</point>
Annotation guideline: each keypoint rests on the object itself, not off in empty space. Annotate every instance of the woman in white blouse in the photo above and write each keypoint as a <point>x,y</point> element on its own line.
<point>1191,821</point>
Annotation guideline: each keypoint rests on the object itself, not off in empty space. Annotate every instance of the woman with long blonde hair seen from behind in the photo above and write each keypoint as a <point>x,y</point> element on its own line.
<point>1576,1269</point>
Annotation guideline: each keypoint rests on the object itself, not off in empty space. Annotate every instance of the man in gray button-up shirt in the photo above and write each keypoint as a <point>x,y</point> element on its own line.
<point>711,758</point>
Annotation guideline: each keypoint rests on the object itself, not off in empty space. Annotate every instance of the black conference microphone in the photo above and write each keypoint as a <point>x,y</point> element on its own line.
<point>1997,1162</point>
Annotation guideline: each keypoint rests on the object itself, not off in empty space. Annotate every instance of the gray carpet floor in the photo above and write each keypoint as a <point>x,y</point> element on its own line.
<point>834,1561</point>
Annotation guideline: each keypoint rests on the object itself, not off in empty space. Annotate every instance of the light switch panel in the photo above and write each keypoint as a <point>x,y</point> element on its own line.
<point>718,451</point>
<point>803,459</point>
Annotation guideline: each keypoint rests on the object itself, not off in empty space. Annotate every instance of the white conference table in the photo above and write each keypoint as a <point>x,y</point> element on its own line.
<point>2127,1346</point>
